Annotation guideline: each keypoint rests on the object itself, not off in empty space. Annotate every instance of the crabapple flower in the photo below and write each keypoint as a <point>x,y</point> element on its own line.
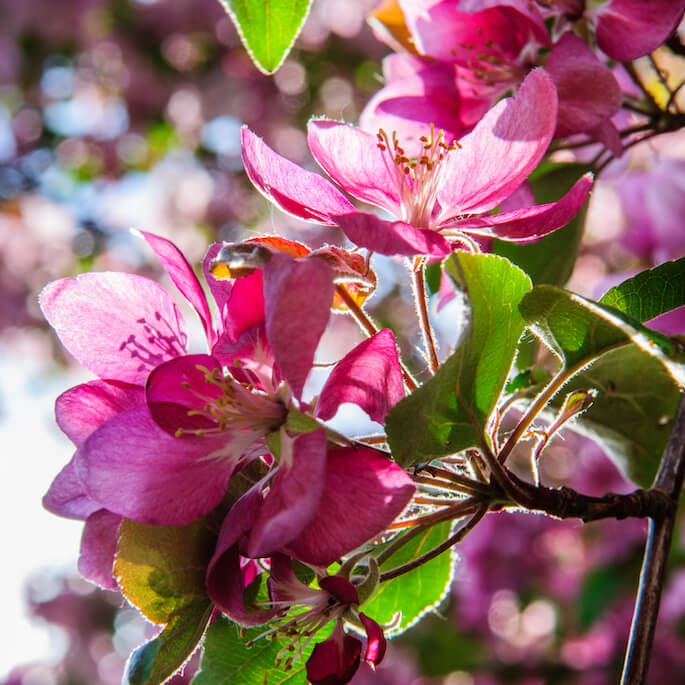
<point>438,199</point>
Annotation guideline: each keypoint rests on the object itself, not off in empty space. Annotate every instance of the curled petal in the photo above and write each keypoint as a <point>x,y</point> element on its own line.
<point>340,588</point>
<point>377,644</point>
<point>119,326</point>
<point>301,193</point>
<point>369,376</point>
<point>98,547</point>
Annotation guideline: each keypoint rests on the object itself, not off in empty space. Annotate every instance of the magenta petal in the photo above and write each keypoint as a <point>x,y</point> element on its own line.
<point>341,588</point>
<point>293,498</point>
<point>133,468</point>
<point>334,661</point>
<point>500,152</point>
<point>364,492</point>
<point>298,192</point>
<point>220,289</point>
<point>245,305</point>
<point>392,238</point>
<point>376,642</point>
<point>119,326</point>
<point>352,159</point>
<point>524,225</point>
<point>369,376</point>
<point>224,577</point>
<point>181,273</point>
<point>67,495</point>
<point>628,29</point>
<point>98,547</point>
<point>83,408</point>
<point>588,91</point>
<point>298,296</point>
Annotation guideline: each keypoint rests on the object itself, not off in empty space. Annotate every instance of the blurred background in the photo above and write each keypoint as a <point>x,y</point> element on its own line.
<point>127,113</point>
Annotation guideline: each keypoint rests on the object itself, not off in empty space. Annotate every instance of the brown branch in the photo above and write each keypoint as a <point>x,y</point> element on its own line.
<point>669,482</point>
<point>419,282</point>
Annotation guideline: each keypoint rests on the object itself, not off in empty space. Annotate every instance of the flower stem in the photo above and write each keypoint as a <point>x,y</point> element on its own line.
<point>369,327</point>
<point>419,289</point>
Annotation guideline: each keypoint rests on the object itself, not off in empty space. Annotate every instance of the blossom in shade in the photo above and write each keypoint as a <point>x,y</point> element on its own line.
<point>438,199</point>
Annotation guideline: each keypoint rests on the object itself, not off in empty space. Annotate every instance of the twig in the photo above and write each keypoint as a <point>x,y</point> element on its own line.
<point>419,281</point>
<point>669,480</point>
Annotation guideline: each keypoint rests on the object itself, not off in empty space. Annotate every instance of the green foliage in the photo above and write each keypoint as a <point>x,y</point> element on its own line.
<point>268,28</point>
<point>161,570</point>
<point>550,259</point>
<point>651,292</point>
<point>415,593</point>
<point>227,658</point>
<point>449,412</point>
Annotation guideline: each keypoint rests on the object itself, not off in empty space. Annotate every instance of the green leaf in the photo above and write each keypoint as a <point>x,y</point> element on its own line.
<point>415,593</point>
<point>579,331</point>
<point>268,28</point>
<point>448,413</point>
<point>161,569</point>
<point>156,661</point>
<point>227,659</point>
<point>632,415</point>
<point>650,292</point>
<point>550,259</point>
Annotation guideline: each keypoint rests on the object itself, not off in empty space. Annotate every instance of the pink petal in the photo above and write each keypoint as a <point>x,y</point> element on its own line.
<point>606,133</point>
<point>334,661</point>
<point>82,409</point>
<point>98,547</point>
<point>369,376</point>
<point>293,498</point>
<point>376,642</point>
<point>341,588</point>
<point>588,91</point>
<point>134,468</point>
<point>500,152</point>
<point>525,225</point>
<point>224,576</point>
<point>67,495</point>
<point>119,326</point>
<point>628,29</point>
<point>363,494</point>
<point>351,157</point>
<point>392,238</point>
<point>220,289</point>
<point>297,301</point>
<point>181,273</point>
<point>245,306</point>
<point>301,193</point>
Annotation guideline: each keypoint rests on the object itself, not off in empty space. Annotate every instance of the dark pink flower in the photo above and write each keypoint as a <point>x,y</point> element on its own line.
<point>437,199</point>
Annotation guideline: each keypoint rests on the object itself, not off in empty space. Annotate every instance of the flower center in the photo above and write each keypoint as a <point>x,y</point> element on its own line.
<point>416,178</point>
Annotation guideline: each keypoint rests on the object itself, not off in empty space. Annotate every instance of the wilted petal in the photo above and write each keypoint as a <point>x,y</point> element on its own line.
<point>500,152</point>
<point>183,277</point>
<point>298,296</point>
<point>134,468</point>
<point>524,225</point>
<point>293,498</point>
<point>83,408</point>
<point>98,547</point>
<point>67,495</point>
<point>588,91</point>
<point>296,191</point>
<point>369,376</point>
<point>628,29</point>
<point>117,325</point>
<point>351,157</point>
<point>392,237</point>
<point>364,492</point>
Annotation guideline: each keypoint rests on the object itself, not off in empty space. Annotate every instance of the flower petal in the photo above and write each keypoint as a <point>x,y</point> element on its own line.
<point>628,29</point>
<point>293,498</point>
<point>334,661</point>
<point>84,408</point>
<point>119,326</point>
<point>134,468</point>
<point>376,642</point>
<point>391,238</point>
<point>351,157</point>
<point>67,495</point>
<point>298,296</point>
<point>183,277</point>
<point>525,225</point>
<point>296,191</point>
<point>368,376</point>
<point>500,152</point>
<point>363,494</point>
<point>98,547</point>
